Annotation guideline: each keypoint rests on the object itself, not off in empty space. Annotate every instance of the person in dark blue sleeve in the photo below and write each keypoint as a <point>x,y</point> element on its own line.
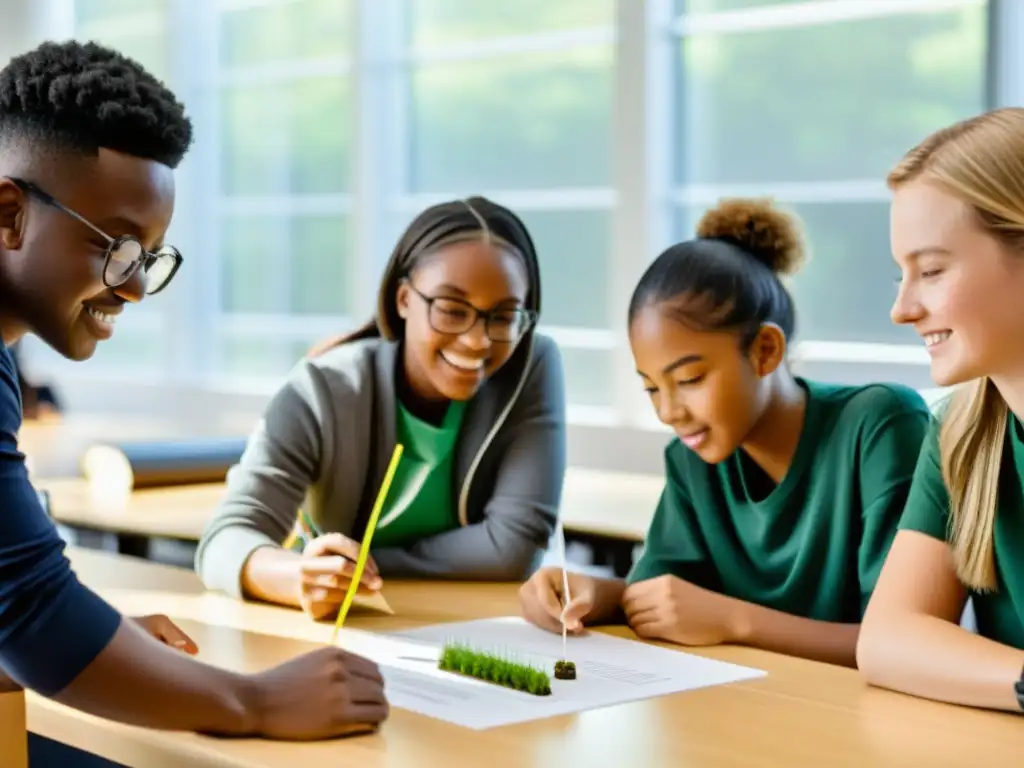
<point>38,401</point>
<point>89,142</point>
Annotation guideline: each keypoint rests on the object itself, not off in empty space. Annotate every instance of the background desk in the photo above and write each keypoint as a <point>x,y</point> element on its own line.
<point>801,714</point>
<point>607,511</point>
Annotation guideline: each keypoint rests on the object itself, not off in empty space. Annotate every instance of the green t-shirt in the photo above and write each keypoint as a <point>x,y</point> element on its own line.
<point>814,544</point>
<point>420,502</point>
<point>999,613</point>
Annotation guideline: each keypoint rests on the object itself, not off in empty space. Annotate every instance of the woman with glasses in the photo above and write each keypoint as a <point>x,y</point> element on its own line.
<point>450,368</point>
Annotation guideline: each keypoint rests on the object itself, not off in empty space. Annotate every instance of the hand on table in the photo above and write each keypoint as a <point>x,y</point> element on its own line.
<point>541,598</point>
<point>323,694</point>
<point>165,630</point>
<point>325,571</point>
<point>669,608</point>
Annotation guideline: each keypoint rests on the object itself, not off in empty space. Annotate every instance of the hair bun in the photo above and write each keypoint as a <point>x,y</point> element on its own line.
<point>756,225</point>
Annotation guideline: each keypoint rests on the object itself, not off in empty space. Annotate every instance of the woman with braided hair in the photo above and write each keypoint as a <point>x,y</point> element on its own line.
<point>451,367</point>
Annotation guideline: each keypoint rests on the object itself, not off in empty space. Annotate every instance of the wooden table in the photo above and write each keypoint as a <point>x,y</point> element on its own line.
<point>13,741</point>
<point>608,511</point>
<point>179,513</point>
<point>55,448</point>
<point>801,714</point>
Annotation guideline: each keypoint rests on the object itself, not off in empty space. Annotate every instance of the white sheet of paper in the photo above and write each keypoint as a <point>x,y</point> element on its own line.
<point>609,670</point>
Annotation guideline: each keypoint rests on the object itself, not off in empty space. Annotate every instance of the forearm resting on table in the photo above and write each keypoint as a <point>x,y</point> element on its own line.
<point>785,633</point>
<point>138,680</point>
<point>929,657</point>
<point>270,574</point>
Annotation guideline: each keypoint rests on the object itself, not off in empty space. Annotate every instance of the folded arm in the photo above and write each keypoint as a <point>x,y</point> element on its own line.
<point>706,612</point>
<point>911,639</point>
<point>781,632</point>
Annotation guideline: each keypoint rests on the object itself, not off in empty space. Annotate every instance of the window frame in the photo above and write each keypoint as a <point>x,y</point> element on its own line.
<point>641,200</point>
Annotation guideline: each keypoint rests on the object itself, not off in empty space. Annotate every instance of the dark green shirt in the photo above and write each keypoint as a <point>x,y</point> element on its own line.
<point>814,544</point>
<point>1000,613</point>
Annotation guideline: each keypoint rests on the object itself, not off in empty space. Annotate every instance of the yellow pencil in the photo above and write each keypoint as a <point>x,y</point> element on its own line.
<point>364,550</point>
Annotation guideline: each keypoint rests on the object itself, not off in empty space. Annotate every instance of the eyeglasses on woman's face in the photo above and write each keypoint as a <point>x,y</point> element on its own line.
<point>453,316</point>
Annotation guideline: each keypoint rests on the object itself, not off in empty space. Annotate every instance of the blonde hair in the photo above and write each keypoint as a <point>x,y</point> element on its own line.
<point>981,162</point>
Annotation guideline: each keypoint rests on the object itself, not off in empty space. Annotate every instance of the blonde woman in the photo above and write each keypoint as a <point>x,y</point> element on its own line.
<point>958,237</point>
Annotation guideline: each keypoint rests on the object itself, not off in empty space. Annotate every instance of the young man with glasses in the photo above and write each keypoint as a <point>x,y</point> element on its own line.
<point>451,367</point>
<point>88,146</point>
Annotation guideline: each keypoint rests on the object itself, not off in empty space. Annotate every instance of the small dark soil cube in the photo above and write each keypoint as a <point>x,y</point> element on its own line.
<point>565,670</point>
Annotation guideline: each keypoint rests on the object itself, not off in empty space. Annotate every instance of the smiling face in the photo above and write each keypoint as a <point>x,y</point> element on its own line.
<point>701,384</point>
<point>460,278</point>
<point>960,288</point>
<point>52,268</point>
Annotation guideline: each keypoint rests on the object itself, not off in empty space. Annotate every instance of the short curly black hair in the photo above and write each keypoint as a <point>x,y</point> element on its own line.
<point>81,97</point>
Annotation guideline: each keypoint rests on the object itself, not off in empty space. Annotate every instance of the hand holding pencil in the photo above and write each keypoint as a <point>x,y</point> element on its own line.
<point>543,600</point>
<point>325,573</point>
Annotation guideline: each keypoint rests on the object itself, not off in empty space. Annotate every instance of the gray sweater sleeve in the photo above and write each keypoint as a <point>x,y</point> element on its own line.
<point>265,489</point>
<point>520,517</point>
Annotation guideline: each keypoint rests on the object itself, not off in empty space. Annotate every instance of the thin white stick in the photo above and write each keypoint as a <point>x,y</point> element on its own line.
<point>565,584</point>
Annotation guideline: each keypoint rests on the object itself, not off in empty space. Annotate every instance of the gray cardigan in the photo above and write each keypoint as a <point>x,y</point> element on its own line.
<point>327,436</point>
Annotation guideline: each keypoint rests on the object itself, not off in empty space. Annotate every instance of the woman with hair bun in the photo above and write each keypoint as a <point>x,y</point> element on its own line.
<point>782,494</point>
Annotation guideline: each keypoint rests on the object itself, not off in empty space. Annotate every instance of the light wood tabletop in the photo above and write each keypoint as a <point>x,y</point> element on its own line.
<point>801,713</point>
<point>178,512</point>
<point>13,742</point>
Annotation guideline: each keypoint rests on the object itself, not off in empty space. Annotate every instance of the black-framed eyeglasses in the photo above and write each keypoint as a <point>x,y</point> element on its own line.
<point>455,316</point>
<point>125,254</point>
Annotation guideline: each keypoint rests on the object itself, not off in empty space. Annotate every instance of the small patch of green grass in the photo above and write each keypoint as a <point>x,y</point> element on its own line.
<point>494,669</point>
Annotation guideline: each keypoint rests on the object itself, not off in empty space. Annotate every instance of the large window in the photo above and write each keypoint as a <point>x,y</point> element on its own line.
<point>138,28</point>
<point>514,101</point>
<point>324,126</point>
<point>284,100</point>
<point>814,105</point>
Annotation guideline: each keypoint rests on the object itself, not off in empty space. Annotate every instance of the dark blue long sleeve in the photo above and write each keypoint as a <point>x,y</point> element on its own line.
<point>51,625</point>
